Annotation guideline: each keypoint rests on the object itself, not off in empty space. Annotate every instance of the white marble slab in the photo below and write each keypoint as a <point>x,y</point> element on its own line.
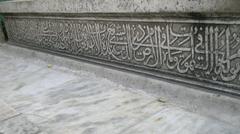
<point>64,101</point>
<point>6,111</point>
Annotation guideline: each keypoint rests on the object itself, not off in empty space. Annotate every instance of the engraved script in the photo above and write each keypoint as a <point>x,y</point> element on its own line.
<point>196,50</point>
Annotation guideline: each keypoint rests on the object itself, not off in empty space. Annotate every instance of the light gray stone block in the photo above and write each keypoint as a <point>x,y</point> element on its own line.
<point>120,6</point>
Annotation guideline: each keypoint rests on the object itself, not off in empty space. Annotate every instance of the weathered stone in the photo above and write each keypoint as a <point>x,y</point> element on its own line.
<point>120,6</point>
<point>194,46</point>
<point>2,36</point>
<point>204,51</point>
<point>194,42</point>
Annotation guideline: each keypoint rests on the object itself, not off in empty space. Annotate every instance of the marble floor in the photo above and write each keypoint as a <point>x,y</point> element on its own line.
<point>57,100</point>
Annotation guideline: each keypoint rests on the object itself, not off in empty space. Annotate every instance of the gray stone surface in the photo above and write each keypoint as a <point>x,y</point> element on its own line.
<point>120,6</point>
<point>6,111</point>
<point>49,92</point>
<point>2,37</point>
<point>66,101</point>
<point>19,125</point>
<point>12,122</point>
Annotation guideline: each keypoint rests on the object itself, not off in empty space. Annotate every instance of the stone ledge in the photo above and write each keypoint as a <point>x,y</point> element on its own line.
<point>120,6</point>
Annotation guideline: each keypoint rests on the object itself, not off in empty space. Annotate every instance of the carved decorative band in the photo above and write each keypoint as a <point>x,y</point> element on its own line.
<point>205,51</point>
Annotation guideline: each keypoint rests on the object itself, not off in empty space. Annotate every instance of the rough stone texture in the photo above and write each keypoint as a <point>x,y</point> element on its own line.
<point>120,6</point>
<point>2,37</point>
<point>64,101</point>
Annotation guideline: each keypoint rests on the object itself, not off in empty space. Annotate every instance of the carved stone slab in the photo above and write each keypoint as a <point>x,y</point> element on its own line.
<point>207,51</point>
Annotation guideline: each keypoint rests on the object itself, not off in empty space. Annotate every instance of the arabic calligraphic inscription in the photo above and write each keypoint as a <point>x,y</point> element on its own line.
<point>209,51</point>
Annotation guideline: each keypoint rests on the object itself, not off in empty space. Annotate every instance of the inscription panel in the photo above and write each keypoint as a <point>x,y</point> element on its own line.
<point>205,51</point>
